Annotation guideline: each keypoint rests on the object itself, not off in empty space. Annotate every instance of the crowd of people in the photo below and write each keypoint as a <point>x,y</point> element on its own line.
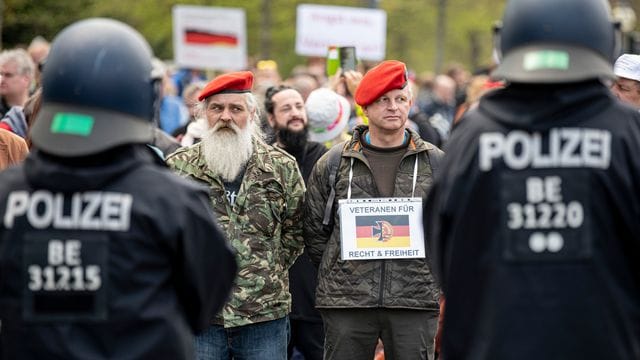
<point>149,212</point>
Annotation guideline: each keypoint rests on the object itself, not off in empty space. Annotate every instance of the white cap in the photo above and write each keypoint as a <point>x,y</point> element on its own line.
<point>328,114</point>
<point>628,66</point>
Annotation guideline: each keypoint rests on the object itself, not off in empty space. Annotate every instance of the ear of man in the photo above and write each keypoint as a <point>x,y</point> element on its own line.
<point>271,120</point>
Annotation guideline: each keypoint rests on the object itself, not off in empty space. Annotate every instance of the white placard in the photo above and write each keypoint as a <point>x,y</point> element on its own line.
<point>209,37</point>
<point>381,228</point>
<point>318,27</point>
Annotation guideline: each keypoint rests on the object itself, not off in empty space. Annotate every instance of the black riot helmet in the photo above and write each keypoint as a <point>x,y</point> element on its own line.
<point>97,91</point>
<point>556,41</point>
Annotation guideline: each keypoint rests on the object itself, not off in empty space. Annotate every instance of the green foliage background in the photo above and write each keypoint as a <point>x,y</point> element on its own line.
<point>411,25</point>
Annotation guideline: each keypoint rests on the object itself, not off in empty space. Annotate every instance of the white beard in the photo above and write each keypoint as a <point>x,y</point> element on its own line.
<point>227,149</point>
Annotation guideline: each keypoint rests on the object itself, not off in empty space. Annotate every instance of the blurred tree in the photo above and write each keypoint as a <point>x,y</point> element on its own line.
<point>411,26</point>
<point>22,20</point>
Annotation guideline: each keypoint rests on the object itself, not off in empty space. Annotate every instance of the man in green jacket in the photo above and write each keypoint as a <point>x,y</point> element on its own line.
<point>374,282</point>
<point>257,193</point>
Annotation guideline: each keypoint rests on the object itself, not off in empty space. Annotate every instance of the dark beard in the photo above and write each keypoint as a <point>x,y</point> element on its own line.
<point>293,141</point>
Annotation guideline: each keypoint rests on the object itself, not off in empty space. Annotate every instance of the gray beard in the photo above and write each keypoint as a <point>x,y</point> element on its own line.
<point>226,151</point>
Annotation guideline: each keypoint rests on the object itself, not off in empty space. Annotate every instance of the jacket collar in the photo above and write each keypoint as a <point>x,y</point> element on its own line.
<point>259,159</point>
<point>354,147</point>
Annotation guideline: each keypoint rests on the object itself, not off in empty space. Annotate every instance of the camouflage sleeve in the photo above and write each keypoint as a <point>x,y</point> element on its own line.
<point>316,235</point>
<point>176,162</point>
<point>180,163</point>
<point>292,240</point>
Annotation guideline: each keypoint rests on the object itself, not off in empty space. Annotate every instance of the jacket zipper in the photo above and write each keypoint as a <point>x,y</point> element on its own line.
<point>381,294</point>
<point>384,262</point>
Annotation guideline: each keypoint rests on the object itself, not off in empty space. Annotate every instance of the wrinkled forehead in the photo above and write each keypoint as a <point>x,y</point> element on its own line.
<point>227,99</point>
<point>9,65</point>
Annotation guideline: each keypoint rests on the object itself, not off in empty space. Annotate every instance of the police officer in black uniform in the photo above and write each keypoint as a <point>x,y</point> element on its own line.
<point>533,227</point>
<point>104,254</point>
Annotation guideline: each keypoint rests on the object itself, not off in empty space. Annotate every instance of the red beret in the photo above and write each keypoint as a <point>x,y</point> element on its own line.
<point>386,76</point>
<point>235,82</point>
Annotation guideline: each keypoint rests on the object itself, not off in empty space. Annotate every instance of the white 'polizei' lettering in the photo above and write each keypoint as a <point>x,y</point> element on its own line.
<point>93,210</point>
<point>567,147</point>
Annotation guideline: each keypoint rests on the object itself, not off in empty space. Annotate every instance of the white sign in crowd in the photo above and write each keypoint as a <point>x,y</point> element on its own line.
<point>209,37</point>
<point>216,38</point>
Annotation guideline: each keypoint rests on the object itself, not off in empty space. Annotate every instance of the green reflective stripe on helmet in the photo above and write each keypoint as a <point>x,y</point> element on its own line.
<point>546,59</point>
<point>73,124</point>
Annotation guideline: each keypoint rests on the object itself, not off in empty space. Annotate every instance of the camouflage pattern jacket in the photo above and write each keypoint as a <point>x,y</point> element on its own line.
<point>264,226</point>
<point>398,283</point>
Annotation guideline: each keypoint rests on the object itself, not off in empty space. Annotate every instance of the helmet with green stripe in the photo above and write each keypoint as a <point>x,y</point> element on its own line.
<point>556,41</point>
<point>97,90</point>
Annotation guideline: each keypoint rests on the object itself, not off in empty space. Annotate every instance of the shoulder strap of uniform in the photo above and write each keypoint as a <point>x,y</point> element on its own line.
<point>333,163</point>
<point>435,158</point>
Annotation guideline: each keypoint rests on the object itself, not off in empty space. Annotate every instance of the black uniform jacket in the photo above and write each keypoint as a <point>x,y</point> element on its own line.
<point>111,258</point>
<point>533,228</point>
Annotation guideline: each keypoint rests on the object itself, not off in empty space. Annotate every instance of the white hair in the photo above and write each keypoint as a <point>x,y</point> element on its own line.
<point>22,59</point>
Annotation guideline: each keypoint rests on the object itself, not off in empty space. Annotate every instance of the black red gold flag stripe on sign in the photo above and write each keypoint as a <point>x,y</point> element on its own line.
<point>199,37</point>
<point>382,231</point>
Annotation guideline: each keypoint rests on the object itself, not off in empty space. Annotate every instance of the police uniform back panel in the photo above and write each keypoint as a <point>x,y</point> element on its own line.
<point>549,201</point>
<point>66,266</point>
<point>89,268</point>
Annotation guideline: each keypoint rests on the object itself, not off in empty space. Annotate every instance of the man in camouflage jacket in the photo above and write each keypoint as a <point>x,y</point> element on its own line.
<point>259,206</point>
<point>361,301</point>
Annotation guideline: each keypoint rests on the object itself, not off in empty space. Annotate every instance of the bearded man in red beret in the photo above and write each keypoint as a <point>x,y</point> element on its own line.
<point>257,193</point>
<point>368,288</point>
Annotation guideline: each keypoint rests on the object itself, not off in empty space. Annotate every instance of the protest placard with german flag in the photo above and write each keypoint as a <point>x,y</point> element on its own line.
<point>201,37</point>
<point>382,231</point>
